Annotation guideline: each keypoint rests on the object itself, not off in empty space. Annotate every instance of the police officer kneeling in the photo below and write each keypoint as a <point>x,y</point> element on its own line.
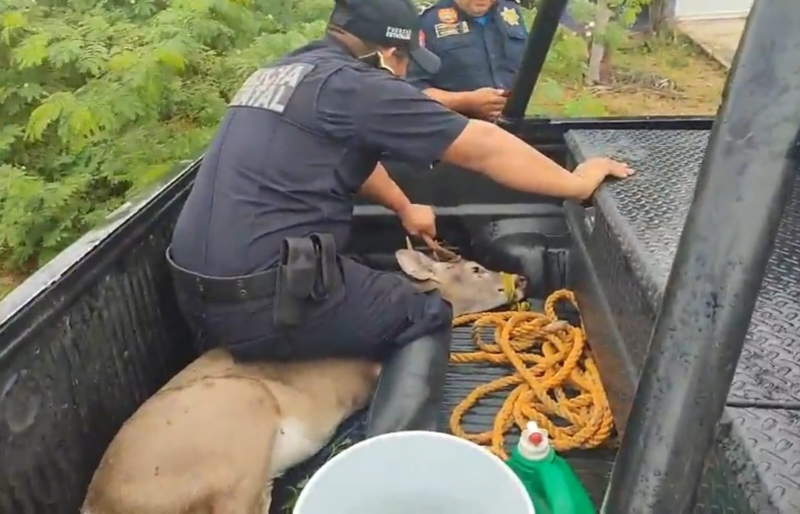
<point>255,251</point>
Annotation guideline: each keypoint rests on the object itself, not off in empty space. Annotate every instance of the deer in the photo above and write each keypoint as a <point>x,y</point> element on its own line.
<point>214,438</point>
<point>466,285</point>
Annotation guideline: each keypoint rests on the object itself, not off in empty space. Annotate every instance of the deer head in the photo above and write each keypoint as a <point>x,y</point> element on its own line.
<point>468,286</point>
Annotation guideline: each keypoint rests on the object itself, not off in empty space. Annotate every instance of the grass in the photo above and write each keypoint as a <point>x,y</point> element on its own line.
<point>8,282</point>
<point>667,76</point>
<point>337,448</point>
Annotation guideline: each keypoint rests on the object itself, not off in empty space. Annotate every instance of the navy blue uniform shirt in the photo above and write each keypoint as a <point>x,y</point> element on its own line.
<point>475,52</point>
<point>297,142</point>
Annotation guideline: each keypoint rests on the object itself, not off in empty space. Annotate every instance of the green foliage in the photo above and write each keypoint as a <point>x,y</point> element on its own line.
<point>568,58</point>
<point>100,98</point>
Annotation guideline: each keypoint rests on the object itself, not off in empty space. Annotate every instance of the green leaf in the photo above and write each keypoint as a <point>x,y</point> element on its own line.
<point>171,58</point>
<point>11,21</point>
<point>64,52</point>
<point>8,136</point>
<point>80,127</point>
<point>48,112</point>
<point>32,52</point>
<point>93,60</point>
<point>123,61</point>
<point>30,91</point>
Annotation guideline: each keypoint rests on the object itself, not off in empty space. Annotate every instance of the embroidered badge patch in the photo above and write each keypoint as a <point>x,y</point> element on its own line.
<point>510,16</point>
<point>448,15</point>
<point>450,29</point>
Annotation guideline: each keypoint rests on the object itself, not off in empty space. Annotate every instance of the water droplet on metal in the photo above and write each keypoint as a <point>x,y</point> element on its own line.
<point>20,400</point>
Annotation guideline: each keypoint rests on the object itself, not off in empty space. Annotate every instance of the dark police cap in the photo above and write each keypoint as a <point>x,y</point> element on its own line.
<point>389,23</point>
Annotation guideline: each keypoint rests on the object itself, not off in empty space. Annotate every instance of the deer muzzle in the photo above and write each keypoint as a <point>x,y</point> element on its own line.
<point>514,286</point>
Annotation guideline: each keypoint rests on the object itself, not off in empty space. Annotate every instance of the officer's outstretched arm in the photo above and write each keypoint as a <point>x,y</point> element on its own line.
<point>491,151</point>
<point>388,115</point>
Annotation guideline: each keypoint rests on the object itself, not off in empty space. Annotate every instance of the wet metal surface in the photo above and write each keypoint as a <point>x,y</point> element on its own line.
<point>637,227</point>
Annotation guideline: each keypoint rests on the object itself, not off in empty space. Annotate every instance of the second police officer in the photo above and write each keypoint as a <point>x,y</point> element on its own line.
<point>480,44</point>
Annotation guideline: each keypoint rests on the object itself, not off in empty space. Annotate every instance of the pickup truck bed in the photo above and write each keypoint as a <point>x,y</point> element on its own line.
<point>593,467</point>
<point>632,244</point>
<point>90,336</point>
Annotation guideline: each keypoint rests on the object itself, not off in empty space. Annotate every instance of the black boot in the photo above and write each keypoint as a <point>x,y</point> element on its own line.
<point>411,387</point>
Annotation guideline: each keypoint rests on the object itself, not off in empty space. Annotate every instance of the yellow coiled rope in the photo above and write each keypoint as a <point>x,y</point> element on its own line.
<point>554,379</point>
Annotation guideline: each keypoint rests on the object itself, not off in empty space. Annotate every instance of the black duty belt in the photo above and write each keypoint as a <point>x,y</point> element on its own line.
<point>308,272</point>
<point>223,289</point>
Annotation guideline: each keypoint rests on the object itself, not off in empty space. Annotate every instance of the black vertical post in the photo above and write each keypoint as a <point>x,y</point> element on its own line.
<point>744,184</point>
<point>540,37</point>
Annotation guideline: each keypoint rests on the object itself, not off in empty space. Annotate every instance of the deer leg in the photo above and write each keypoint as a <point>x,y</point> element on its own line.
<point>266,499</point>
<point>235,504</point>
<point>247,497</point>
<point>243,502</point>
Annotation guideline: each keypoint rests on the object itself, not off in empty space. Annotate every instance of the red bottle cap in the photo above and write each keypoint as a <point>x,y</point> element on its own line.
<point>535,438</point>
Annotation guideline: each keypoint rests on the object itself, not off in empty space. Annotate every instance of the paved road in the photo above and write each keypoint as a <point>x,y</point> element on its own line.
<point>717,37</point>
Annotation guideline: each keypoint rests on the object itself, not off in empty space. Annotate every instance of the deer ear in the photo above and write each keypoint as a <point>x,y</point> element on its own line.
<point>415,264</point>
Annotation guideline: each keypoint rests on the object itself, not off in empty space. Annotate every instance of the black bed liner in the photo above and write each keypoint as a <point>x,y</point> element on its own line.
<point>632,242</point>
<point>593,466</point>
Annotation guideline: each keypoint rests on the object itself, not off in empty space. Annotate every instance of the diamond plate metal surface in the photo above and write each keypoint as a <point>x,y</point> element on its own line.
<point>717,493</point>
<point>763,449</point>
<point>646,214</point>
<point>638,224</point>
<point>648,210</point>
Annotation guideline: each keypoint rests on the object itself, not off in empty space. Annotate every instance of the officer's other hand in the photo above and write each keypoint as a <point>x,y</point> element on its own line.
<point>418,220</point>
<point>593,171</point>
<point>488,103</point>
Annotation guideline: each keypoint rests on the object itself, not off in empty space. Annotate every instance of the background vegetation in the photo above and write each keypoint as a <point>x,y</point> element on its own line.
<point>101,98</point>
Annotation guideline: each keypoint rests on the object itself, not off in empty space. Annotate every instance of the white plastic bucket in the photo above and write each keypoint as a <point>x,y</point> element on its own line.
<point>414,473</point>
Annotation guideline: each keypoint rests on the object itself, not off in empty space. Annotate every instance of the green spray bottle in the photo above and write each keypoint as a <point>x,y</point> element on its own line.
<point>552,485</point>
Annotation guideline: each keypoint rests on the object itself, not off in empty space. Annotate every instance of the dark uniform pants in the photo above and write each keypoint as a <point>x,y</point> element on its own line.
<point>375,315</point>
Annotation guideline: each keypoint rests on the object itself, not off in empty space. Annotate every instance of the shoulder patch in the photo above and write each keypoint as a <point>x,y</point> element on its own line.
<point>271,88</point>
<point>448,15</point>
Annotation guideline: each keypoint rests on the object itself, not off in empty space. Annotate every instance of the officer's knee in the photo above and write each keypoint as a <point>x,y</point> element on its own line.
<point>427,315</point>
<point>438,312</point>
